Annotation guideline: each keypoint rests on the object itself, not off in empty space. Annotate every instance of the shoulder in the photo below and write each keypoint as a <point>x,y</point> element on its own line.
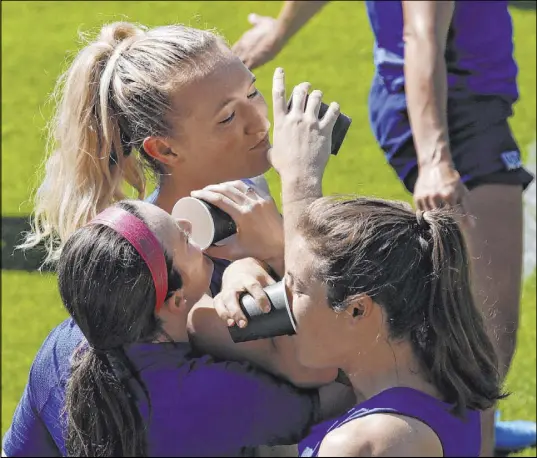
<point>382,435</point>
<point>58,346</point>
<point>52,363</point>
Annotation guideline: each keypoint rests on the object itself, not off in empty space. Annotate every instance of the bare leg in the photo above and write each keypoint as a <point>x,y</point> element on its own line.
<point>495,245</point>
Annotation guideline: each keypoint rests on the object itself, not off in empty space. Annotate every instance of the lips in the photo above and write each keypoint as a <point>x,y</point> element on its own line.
<point>263,141</point>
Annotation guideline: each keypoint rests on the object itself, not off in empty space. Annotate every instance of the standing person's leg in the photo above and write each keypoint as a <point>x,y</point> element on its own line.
<point>495,245</point>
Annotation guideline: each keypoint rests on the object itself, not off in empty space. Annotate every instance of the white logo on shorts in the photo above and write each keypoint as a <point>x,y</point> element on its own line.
<point>512,160</point>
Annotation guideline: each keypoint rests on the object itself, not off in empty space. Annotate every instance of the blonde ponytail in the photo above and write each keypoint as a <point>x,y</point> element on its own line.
<point>110,99</point>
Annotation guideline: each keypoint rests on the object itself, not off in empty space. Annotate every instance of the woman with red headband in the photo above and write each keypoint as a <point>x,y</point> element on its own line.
<point>206,124</point>
<point>133,386</point>
<point>126,318</point>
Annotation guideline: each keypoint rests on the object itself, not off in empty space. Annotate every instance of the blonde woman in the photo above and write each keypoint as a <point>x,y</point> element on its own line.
<point>173,99</point>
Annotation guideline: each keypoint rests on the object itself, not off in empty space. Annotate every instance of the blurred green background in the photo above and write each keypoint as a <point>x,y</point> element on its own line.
<point>333,52</point>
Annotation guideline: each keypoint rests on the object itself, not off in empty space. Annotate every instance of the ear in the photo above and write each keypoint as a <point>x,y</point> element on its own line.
<point>360,307</point>
<point>161,150</point>
<point>176,303</point>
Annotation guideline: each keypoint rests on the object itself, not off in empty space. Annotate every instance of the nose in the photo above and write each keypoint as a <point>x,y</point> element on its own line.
<point>259,123</point>
<point>185,225</point>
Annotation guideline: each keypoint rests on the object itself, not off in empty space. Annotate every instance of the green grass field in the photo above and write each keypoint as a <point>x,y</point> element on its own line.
<point>334,53</point>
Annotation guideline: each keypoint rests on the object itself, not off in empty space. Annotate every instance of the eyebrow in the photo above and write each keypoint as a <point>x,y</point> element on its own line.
<point>229,100</point>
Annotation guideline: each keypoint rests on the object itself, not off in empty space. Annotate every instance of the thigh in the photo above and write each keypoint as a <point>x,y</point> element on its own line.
<point>495,241</point>
<point>495,245</point>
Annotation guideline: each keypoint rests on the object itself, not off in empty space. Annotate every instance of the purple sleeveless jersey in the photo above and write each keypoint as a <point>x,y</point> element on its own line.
<point>458,436</point>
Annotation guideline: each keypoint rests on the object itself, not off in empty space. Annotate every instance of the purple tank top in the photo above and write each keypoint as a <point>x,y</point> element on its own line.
<point>458,436</point>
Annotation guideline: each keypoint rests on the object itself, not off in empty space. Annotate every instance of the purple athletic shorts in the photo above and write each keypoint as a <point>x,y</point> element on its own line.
<point>482,144</point>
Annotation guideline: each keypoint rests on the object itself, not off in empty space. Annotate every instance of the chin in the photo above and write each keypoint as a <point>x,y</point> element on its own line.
<point>262,170</point>
<point>250,170</point>
<point>262,165</point>
<point>308,359</point>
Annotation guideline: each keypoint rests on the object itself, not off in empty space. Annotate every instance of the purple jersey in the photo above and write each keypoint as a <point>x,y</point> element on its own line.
<point>199,407</point>
<point>479,48</point>
<point>458,436</point>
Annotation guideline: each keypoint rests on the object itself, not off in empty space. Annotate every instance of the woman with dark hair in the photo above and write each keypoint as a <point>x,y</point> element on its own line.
<point>383,293</point>
<point>124,381</point>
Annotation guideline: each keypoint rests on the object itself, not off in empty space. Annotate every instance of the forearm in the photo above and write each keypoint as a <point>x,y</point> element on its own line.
<point>426,92</point>
<point>294,15</point>
<point>426,29</point>
<point>297,194</point>
<point>209,335</point>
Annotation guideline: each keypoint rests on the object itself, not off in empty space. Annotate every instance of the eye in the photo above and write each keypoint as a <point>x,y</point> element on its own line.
<point>228,120</point>
<point>253,94</point>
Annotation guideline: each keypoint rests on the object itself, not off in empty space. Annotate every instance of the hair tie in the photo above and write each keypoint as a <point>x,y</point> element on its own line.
<point>421,218</point>
<point>136,232</point>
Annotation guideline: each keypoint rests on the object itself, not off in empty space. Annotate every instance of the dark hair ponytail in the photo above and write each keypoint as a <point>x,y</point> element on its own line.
<point>102,416</point>
<point>451,341</point>
<point>417,268</point>
<point>108,290</point>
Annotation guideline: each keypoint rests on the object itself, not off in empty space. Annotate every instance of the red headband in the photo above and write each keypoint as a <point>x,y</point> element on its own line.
<point>144,241</point>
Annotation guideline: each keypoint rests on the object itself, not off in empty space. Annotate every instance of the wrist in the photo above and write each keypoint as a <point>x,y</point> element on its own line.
<point>270,268</point>
<point>440,157</point>
<point>275,267</point>
<point>446,165</point>
<point>297,187</point>
<point>282,33</point>
<point>274,259</point>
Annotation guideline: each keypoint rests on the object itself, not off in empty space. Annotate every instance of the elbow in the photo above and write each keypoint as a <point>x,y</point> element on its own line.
<point>423,39</point>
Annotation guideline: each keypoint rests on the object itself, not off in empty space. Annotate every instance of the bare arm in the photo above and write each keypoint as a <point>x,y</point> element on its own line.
<point>268,36</point>
<point>426,28</point>
<point>294,15</point>
<point>209,334</point>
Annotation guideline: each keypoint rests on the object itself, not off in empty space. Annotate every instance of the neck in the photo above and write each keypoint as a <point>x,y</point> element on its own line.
<point>173,187</point>
<point>174,329</point>
<point>175,326</point>
<point>389,366</point>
